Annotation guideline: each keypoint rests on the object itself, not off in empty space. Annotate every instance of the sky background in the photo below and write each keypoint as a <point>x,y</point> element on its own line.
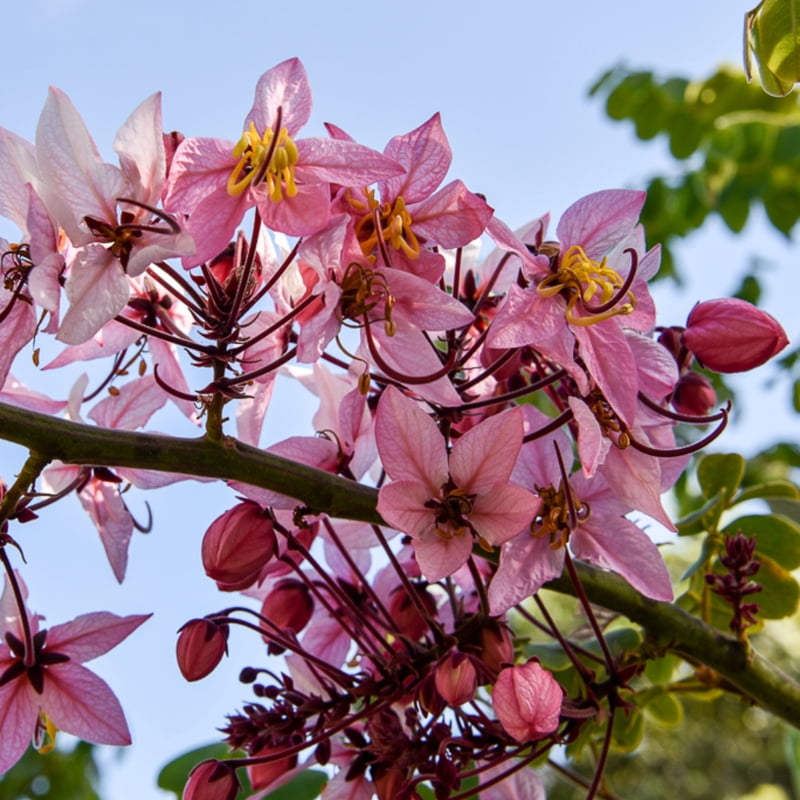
<point>510,80</point>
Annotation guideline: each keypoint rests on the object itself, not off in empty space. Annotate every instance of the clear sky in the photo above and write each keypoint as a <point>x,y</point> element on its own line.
<point>510,79</point>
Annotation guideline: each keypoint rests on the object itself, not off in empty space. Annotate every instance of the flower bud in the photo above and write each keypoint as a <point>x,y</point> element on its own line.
<point>527,700</point>
<point>693,394</point>
<point>211,780</point>
<point>289,606</point>
<point>456,678</point>
<point>731,335</point>
<point>201,645</point>
<point>238,545</point>
<point>496,645</point>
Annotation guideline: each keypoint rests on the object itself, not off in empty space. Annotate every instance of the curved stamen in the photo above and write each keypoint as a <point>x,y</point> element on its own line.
<point>681,451</point>
<point>411,380</point>
<point>603,307</point>
<point>690,418</point>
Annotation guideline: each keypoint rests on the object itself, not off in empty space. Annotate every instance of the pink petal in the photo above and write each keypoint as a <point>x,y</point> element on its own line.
<point>426,154</point>
<point>503,512</point>
<point>80,703</point>
<point>526,564</point>
<point>91,635</point>
<point>19,711</point>
<point>440,556</point>
<point>285,85</point>
<point>409,442</point>
<point>598,221</point>
<point>102,502</point>
<point>485,455</point>
<point>402,504</point>
<point>97,289</point>
<point>627,550</point>
<point>136,402</point>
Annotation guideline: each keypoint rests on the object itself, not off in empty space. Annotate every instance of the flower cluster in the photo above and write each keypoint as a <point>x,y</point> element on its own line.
<point>512,412</point>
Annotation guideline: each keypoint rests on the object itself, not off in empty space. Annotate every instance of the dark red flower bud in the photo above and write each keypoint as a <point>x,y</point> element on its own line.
<point>289,606</point>
<point>211,780</point>
<point>238,545</point>
<point>693,394</point>
<point>732,335</point>
<point>201,645</point>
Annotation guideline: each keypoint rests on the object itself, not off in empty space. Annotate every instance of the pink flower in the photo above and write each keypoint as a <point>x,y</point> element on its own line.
<point>731,335</point>
<point>43,681</point>
<point>446,503</point>
<point>214,182</point>
<point>527,700</point>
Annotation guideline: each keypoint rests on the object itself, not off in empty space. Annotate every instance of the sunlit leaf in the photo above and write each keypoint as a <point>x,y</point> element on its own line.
<point>772,41</point>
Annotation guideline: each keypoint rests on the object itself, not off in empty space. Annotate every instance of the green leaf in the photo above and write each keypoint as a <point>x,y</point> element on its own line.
<point>628,730</point>
<point>796,395</point>
<point>768,491</point>
<point>777,538</point>
<point>619,641</point>
<point>660,670</point>
<point>552,656</point>
<point>663,707</point>
<point>720,472</point>
<point>749,290</point>
<point>703,518</point>
<point>780,593</point>
<point>772,40</point>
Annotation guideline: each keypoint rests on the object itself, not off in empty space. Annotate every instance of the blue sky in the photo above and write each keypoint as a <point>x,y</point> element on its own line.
<point>510,79</point>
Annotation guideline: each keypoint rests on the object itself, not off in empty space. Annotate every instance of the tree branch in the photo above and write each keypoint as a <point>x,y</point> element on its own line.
<point>668,626</point>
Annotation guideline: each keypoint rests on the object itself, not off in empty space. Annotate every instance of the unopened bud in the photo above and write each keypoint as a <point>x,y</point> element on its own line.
<point>211,780</point>
<point>238,545</point>
<point>456,678</point>
<point>201,645</point>
<point>288,606</point>
<point>693,394</point>
<point>732,335</point>
<point>527,700</point>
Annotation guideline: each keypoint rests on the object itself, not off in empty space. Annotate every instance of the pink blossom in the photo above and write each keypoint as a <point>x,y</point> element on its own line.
<point>732,335</point>
<point>214,182</point>
<point>447,503</point>
<point>527,701</point>
<point>44,679</point>
<point>108,212</point>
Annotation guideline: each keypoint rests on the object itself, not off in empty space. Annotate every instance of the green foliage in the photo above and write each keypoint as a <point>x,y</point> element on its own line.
<point>772,40</point>
<point>58,775</point>
<point>740,148</point>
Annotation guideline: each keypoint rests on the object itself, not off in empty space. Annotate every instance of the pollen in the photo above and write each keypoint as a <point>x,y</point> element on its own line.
<point>265,158</point>
<point>388,223</point>
<point>593,287</point>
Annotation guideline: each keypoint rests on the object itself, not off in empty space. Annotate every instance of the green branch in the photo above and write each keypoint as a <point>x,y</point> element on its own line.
<point>668,626</point>
<point>228,460</point>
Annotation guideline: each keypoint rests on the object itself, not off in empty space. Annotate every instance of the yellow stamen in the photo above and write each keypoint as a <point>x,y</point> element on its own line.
<point>554,520</point>
<point>251,151</point>
<point>392,223</point>
<point>583,281</point>
<point>44,735</point>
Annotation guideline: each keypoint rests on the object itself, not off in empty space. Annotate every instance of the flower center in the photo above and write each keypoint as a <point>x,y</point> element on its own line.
<point>262,159</point>
<point>582,281</point>
<point>451,511</point>
<point>363,290</point>
<point>389,223</point>
<point>556,519</point>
